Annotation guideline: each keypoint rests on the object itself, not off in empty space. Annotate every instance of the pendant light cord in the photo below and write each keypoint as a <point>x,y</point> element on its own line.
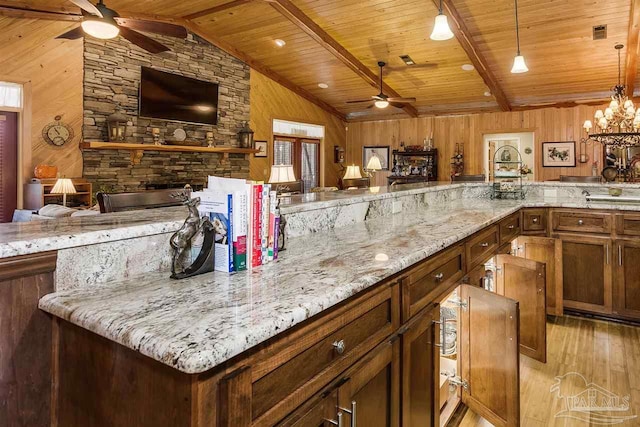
<point>517,27</point>
<point>619,72</point>
<point>440,7</point>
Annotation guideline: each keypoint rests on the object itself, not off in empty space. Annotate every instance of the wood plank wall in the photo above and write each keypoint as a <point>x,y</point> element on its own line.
<point>30,53</point>
<point>270,100</point>
<point>548,124</point>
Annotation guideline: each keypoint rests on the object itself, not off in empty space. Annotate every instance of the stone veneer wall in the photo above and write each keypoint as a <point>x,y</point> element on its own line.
<point>111,84</point>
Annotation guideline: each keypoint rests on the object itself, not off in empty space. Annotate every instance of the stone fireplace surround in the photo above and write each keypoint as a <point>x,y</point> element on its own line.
<point>111,84</point>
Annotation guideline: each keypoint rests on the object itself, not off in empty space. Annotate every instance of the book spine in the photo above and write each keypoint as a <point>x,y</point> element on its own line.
<point>272,218</point>
<point>230,231</point>
<point>256,222</point>
<point>240,231</point>
<point>249,220</point>
<point>276,235</point>
<point>266,189</point>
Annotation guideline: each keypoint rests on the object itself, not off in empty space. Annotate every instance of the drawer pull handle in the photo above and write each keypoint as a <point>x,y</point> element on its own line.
<point>351,412</point>
<point>334,422</point>
<point>339,346</point>
<point>511,227</point>
<point>484,245</point>
<point>534,220</point>
<point>580,222</point>
<point>438,277</point>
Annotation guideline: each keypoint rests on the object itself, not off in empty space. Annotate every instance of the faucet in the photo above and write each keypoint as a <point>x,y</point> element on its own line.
<point>586,193</point>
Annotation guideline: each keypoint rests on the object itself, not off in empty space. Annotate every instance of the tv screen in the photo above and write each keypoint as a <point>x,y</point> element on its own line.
<point>172,97</point>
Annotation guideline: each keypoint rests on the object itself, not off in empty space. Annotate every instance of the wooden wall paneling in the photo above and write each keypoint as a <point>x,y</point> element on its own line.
<point>25,341</point>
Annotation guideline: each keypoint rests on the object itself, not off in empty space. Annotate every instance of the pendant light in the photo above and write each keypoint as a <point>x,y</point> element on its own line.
<point>441,30</point>
<point>519,65</point>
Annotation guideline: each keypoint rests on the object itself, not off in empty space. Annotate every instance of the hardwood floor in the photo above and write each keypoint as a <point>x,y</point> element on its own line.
<point>604,353</point>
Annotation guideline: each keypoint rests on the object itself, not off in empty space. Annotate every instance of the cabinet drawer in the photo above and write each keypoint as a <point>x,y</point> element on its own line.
<point>509,228</point>
<point>300,366</point>
<point>482,246</point>
<point>581,222</point>
<point>428,280</point>
<point>534,220</point>
<point>628,224</point>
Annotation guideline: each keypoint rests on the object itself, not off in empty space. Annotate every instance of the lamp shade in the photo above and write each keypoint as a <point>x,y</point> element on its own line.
<point>100,28</point>
<point>441,30</point>
<point>282,173</point>
<point>381,103</point>
<point>353,172</point>
<point>587,125</point>
<point>374,164</point>
<point>63,186</point>
<point>519,65</point>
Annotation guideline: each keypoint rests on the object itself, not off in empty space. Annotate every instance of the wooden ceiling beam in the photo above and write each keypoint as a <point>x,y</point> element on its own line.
<point>216,9</point>
<point>631,67</point>
<point>306,24</point>
<point>17,12</point>
<point>199,31</point>
<point>460,30</point>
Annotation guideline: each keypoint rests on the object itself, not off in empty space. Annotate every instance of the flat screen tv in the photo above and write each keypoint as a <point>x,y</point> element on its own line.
<point>172,97</point>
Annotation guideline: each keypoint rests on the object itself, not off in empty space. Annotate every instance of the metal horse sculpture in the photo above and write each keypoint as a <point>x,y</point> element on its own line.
<point>181,240</point>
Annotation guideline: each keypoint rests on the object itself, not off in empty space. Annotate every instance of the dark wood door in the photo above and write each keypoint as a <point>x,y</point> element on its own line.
<point>489,355</point>
<point>523,280</point>
<point>420,370</point>
<point>8,165</point>
<point>587,273</point>
<point>318,412</point>
<point>371,395</point>
<point>548,251</point>
<point>627,284</point>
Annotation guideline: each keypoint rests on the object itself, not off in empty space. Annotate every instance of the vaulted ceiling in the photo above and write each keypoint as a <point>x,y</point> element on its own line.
<point>339,42</point>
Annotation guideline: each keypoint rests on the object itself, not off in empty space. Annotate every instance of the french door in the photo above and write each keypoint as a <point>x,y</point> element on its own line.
<point>303,154</point>
<point>8,164</point>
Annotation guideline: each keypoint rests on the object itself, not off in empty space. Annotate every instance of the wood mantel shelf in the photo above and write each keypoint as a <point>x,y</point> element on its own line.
<point>137,150</point>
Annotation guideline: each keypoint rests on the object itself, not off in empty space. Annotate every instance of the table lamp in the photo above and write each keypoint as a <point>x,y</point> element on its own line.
<point>373,166</point>
<point>353,172</point>
<point>63,186</point>
<point>281,173</point>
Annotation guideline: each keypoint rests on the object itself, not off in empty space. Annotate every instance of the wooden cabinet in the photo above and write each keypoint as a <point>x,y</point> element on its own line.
<point>25,341</point>
<point>587,273</point>
<point>523,280</point>
<point>626,295</point>
<point>320,411</point>
<point>534,221</point>
<point>509,228</point>
<point>420,370</point>
<point>37,195</point>
<point>482,246</point>
<point>628,224</point>
<point>581,221</point>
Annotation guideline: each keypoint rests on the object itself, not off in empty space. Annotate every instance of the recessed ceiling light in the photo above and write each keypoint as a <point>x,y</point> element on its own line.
<point>487,93</point>
<point>323,85</point>
<point>280,42</point>
<point>468,67</point>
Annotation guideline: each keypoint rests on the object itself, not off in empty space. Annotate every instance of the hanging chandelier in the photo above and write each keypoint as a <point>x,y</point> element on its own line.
<point>619,123</point>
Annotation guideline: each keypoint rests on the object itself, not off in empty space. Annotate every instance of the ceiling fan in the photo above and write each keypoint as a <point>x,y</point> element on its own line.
<point>381,100</point>
<point>101,22</point>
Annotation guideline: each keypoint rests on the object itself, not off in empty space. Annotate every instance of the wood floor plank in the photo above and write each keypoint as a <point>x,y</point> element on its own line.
<point>606,354</point>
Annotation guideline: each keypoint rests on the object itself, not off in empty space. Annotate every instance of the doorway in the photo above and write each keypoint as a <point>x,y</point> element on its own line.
<point>8,164</point>
<point>303,154</point>
<point>522,141</point>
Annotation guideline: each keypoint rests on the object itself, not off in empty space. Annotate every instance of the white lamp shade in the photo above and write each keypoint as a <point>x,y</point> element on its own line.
<point>63,186</point>
<point>441,30</point>
<point>282,173</point>
<point>599,114</point>
<point>381,104</point>
<point>628,103</point>
<point>519,66</point>
<point>374,164</point>
<point>353,172</point>
<point>100,29</point>
<point>587,125</point>
<point>608,113</point>
<point>614,104</point>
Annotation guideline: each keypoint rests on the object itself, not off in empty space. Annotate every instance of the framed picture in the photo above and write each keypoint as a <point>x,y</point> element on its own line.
<point>559,154</point>
<point>381,152</point>
<point>261,146</point>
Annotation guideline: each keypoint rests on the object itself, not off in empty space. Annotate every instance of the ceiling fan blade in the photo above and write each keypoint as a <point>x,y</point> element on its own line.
<point>371,106</point>
<point>413,67</point>
<point>402,100</point>
<point>147,43</point>
<point>359,101</point>
<point>397,104</point>
<point>75,34</point>
<point>162,28</point>
<point>87,6</point>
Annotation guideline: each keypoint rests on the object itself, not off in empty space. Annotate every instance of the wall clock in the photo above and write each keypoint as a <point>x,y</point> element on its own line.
<point>57,133</point>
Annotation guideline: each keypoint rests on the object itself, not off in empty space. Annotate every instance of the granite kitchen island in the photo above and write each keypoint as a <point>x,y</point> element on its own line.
<point>233,350</point>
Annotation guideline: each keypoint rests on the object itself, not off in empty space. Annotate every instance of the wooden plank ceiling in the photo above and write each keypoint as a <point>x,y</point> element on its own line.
<point>565,63</point>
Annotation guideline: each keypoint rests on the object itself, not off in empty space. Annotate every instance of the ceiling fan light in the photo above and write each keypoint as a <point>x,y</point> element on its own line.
<point>519,65</point>
<point>441,30</point>
<point>100,29</point>
<point>381,103</point>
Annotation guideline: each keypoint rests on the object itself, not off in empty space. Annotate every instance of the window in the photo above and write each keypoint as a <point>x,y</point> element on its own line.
<point>298,144</point>
<point>10,95</point>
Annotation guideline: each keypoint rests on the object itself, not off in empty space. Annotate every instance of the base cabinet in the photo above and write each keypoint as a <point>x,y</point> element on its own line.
<point>626,293</point>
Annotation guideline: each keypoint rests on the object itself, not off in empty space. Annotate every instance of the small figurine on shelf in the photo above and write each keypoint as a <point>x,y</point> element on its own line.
<point>525,170</point>
<point>457,161</point>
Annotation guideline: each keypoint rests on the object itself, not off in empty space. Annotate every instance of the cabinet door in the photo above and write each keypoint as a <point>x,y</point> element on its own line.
<point>548,251</point>
<point>587,273</point>
<point>320,411</point>
<point>523,280</point>
<point>420,370</point>
<point>627,284</point>
<point>489,355</point>
<point>370,397</point>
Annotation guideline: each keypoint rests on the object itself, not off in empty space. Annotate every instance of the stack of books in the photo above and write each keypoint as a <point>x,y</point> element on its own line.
<point>246,221</point>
